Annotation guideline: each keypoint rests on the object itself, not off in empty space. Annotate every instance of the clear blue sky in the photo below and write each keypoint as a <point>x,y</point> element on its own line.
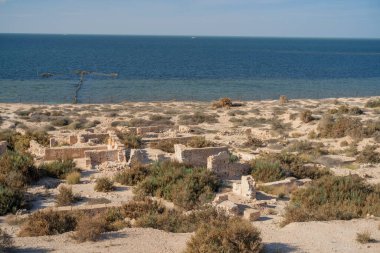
<point>283,18</point>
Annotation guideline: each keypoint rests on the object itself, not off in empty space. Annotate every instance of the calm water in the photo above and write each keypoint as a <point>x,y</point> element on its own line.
<point>184,68</point>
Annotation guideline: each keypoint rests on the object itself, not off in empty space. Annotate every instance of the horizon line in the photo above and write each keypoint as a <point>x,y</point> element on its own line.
<point>192,35</point>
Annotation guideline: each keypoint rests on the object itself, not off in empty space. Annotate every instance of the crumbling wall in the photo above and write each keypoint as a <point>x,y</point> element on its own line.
<point>102,137</point>
<point>36,149</point>
<point>149,129</point>
<point>220,164</point>
<point>3,147</point>
<point>96,157</point>
<point>196,156</point>
<point>288,183</point>
<point>245,188</point>
<point>68,152</point>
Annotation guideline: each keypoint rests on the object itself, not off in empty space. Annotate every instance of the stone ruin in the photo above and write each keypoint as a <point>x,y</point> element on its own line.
<point>221,165</point>
<point>89,149</point>
<point>245,188</point>
<point>195,156</point>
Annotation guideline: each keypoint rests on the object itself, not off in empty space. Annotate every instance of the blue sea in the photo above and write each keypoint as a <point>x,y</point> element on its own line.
<point>154,68</point>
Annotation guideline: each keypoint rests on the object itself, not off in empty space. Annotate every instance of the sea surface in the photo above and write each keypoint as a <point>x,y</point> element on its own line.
<point>153,68</point>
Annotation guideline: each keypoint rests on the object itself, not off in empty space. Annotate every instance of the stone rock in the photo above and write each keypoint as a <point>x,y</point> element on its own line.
<point>229,207</point>
<point>251,214</point>
<point>245,188</point>
<point>220,198</point>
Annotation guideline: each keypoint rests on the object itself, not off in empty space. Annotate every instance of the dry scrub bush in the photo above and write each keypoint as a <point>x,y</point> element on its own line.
<point>89,228</point>
<point>266,171</point>
<point>330,127</point>
<point>20,142</point>
<point>334,198</point>
<point>222,103</point>
<point>306,116</point>
<point>283,100</point>
<point>253,142</point>
<point>225,235</point>
<point>364,237</point>
<point>185,186</point>
<point>194,142</point>
<point>197,118</point>
<point>6,241</point>
<point>48,223</point>
<point>65,196</point>
<point>103,184</point>
<point>373,103</point>
<point>132,176</point>
<point>368,155</point>
<point>73,177</point>
<point>200,142</point>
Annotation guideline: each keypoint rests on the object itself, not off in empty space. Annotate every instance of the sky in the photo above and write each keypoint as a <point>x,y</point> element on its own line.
<point>268,18</point>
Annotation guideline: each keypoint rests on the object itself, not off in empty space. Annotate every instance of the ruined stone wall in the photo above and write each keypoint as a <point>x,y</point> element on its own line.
<point>36,149</point>
<point>83,138</point>
<point>149,129</point>
<point>220,164</point>
<point>196,156</point>
<point>68,152</point>
<point>96,157</point>
<point>3,147</point>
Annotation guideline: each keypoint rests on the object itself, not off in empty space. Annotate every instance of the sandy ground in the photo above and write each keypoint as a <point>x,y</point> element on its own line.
<point>331,236</point>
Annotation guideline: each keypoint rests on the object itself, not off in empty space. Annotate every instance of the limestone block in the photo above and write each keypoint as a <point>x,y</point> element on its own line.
<point>138,156</point>
<point>229,207</point>
<point>251,214</point>
<point>220,198</point>
<point>248,187</point>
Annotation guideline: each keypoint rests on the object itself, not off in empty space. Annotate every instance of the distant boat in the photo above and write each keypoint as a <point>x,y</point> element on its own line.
<point>193,37</point>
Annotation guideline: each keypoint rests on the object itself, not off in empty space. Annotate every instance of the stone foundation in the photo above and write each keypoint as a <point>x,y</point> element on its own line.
<point>220,164</point>
<point>196,156</point>
<point>62,153</point>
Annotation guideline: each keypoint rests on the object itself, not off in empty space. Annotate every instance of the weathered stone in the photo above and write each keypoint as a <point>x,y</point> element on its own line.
<point>220,164</point>
<point>229,207</point>
<point>138,156</point>
<point>246,188</point>
<point>36,149</point>
<point>220,198</point>
<point>251,214</point>
<point>196,156</point>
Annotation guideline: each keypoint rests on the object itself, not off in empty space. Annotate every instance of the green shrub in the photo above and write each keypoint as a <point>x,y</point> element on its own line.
<point>186,187</point>
<point>6,241</point>
<point>264,170</point>
<point>334,198</point>
<point>10,199</point>
<point>65,196</point>
<point>59,169</point>
<point>225,235</point>
<point>19,142</point>
<point>17,170</point>
<point>48,223</point>
<point>103,184</point>
<point>73,177</point>
<point>130,140</point>
<point>132,176</point>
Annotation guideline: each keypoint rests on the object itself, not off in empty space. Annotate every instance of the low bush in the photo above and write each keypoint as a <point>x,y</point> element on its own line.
<point>58,169</point>
<point>20,142</point>
<point>222,103</point>
<point>103,184</point>
<point>225,235</point>
<point>6,241</point>
<point>73,177</point>
<point>186,187</point>
<point>61,121</point>
<point>90,228</point>
<point>364,237</point>
<point>330,127</point>
<point>373,103</point>
<point>10,199</point>
<point>197,118</point>
<point>264,170</point>
<point>130,140</point>
<point>334,198</point>
<point>253,142</point>
<point>368,155</point>
<point>132,176</point>
<point>306,116</point>
<point>65,196</point>
<point>200,142</point>
<point>48,223</point>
